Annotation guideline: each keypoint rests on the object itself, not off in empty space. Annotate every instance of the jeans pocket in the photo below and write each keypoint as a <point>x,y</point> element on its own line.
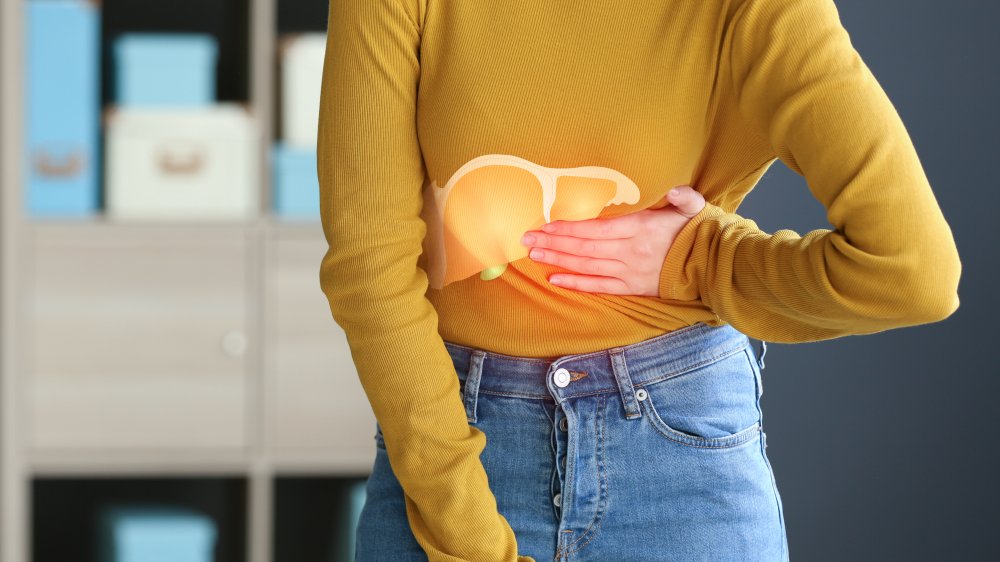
<point>714,406</point>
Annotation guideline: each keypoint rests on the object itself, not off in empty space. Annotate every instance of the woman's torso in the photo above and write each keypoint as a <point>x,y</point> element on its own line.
<point>638,87</point>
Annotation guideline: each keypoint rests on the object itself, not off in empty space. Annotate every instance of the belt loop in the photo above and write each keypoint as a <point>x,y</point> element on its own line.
<point>624,381</point>
<point>470,395</point>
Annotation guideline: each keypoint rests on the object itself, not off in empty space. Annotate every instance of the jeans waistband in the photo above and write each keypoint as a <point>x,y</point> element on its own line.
<point>618,369</point>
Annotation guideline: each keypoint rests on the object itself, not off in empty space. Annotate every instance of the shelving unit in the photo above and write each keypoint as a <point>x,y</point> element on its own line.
<point>138,358</point>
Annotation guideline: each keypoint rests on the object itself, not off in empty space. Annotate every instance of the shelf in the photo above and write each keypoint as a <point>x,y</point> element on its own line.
<point>67,511</point>
<point>314,518</point>
<point>227,20</point>
<point>102,222</point>
<point>138,462</point>
<point>181,230</point>
<point>188,361</point>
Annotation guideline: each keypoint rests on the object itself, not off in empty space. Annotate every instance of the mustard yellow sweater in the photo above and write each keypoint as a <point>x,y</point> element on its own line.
<point>702,93</point>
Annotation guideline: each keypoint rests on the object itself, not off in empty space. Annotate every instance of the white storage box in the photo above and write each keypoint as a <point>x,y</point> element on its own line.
<point>301,80</point>
<point>182,163</point>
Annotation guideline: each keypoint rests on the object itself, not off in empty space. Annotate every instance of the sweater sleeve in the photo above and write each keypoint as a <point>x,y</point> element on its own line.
<point>890,260</point>
<point>371,174</point>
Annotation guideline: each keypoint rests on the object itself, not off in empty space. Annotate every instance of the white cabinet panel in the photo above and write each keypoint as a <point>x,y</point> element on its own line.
<point>316,401</point>
<point>138,340</point>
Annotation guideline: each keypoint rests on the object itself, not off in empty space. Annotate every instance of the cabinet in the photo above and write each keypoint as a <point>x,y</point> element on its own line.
<point>311,380</point>
<point>191,360</point>
<point>137,340</point>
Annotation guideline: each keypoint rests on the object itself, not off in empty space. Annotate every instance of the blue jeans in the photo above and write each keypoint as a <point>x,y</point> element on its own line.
<point>651,451</point>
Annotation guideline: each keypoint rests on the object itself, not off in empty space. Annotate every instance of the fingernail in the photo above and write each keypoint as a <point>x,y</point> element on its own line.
<point>674,193</point>
<point>548,227</point>
<point>536,253</point>
<point>556,281</point>
<point>528,239</point>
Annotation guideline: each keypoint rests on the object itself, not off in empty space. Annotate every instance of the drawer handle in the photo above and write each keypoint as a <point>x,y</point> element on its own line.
<point>51,166</point>
<point>234,343</point>
<point>178,163</point>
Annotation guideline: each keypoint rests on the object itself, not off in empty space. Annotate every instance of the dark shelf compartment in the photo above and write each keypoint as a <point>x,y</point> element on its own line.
<point>301,15</point>
<point>66,511</point>
<point>311,518</point>
<point>227,20</point>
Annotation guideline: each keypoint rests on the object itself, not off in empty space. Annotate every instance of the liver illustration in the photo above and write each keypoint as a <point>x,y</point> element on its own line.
<point>475,221</point>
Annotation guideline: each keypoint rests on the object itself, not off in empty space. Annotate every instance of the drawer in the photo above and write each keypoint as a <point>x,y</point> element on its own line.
<point>315,400</point>
<point>137,340</point>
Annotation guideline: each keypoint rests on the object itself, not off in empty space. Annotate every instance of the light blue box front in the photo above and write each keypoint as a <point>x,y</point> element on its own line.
<point>296,185</point>
<point>156,534</point>
<point>165,69</point>
<point>356,501</point>
<point>62,97</point>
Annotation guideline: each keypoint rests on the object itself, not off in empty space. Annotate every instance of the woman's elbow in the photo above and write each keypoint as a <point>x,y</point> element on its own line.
<point>930,292</point>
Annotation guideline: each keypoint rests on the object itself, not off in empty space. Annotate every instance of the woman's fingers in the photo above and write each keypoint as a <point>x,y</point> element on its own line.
<point>687,200</point>
<point>579,246</point>
<point>588,284</point>
<point>580,264</point>
<point>622,226</point>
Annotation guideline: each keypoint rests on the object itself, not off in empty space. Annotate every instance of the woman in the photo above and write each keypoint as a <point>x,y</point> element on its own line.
<point>601,401</point>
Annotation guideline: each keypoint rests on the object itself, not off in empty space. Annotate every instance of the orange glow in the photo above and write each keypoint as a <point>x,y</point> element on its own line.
<point>475,222</point>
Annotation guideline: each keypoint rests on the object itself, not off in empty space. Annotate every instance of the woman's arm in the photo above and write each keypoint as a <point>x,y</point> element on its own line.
<point>371,174</point>
<point>891,259</point>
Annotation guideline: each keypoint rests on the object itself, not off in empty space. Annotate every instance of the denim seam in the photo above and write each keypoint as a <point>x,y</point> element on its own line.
<point>513,394</point>
<point>656,340</point>
<point>554,473</point>
<point>740,438</point>
<point>695,366</point>
<point>663,428</point>
<point>757,383</point>
<point>682,368</point>
<point>591,531</point>
<point>685,370</point>
<point>774,487</point>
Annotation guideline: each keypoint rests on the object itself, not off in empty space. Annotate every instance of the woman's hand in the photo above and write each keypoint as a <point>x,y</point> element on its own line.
<point>620,255</point>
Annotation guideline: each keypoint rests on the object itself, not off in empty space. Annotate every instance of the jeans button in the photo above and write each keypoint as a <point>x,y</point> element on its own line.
<point>564,424</point>
<point>557,499</point>
<point>561,377</point>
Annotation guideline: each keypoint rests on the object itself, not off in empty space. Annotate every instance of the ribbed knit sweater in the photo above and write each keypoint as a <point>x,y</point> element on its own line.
<point>655,94</point>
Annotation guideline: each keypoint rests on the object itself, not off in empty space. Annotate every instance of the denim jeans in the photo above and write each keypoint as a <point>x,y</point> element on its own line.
<point>652,451</point>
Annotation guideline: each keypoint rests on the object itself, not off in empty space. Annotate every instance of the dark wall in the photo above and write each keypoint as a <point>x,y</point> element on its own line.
<point>884,446</point>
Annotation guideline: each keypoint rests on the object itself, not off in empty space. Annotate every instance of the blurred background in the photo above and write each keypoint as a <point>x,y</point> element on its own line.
<point>174,388</point>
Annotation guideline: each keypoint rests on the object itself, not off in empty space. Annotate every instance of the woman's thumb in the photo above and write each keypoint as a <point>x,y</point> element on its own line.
<point>686,200</point>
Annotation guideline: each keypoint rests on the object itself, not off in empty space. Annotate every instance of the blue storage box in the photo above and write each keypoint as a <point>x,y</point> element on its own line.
<point>165,69</point>
<point>62,95</point>
<point>357,496</point>
<point>156,534</point>
<point>296,185</point>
